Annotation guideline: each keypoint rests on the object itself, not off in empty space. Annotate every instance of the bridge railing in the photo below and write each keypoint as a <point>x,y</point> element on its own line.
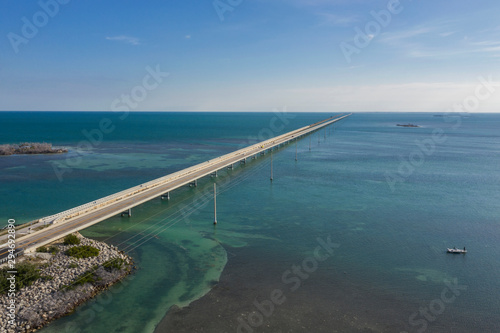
<point>90,206</point>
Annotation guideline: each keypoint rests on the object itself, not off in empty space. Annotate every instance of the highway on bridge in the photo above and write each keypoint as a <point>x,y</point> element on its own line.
<point>81,217</point>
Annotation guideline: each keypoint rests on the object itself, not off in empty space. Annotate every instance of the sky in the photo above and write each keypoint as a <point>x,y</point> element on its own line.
<point>250,55</point>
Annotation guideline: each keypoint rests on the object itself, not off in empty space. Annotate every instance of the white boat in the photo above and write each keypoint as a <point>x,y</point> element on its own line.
<point>455,250</point>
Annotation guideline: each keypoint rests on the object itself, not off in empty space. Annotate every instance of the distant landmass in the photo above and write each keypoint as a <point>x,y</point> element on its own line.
<point>30,148</point>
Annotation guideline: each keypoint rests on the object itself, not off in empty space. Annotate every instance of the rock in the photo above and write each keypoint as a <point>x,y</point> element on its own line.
<point>44,301</point>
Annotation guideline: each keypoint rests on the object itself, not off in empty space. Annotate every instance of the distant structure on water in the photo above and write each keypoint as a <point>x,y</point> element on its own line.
<point>407,125</point>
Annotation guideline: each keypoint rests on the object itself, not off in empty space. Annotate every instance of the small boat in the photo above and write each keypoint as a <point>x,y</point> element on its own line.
<point>455,250</point>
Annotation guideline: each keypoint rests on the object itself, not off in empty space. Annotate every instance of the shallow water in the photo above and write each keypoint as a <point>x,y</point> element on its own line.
<point>392,237</point>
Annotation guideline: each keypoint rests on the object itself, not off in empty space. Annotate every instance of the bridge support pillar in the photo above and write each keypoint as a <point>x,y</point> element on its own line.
<point>128,212</point>
<point>243,161</point>
<point>165,196</point>
<point>230,167</point>
<point>214,174</point>
<point>194,183</point>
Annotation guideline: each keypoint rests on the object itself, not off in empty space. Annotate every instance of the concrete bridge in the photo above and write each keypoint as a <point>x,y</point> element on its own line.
<point>81,217</point>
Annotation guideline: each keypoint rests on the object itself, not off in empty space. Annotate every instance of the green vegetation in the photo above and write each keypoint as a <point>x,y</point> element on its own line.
<point>41,249</point>
<point>113,264</point>
<point>51,250</point>
<point>27,273</point>
<point>73,265</point>
<point>71,239</point>
<point>89,276</point>
<point>84,251</point>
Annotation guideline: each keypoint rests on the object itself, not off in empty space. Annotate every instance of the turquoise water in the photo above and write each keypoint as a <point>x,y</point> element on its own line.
<point>394,198</point>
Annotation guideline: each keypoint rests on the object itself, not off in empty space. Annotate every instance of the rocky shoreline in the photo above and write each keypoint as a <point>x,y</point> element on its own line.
<point>58,293</point>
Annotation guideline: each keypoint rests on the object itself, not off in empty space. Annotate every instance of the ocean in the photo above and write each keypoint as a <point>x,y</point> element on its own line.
<point>390,198</point>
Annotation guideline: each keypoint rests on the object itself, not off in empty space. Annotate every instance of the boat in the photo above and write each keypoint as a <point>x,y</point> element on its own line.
<point>455,250</point>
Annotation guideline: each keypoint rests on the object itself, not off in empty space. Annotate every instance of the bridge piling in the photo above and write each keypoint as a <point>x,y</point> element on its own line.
<point>94,212</point>
<point>271,167</point>
<point>215,204</point>
<point>295,150</point>
<point>128,212</point>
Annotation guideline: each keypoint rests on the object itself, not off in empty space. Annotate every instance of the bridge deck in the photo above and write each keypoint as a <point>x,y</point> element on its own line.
<point>83,216</point>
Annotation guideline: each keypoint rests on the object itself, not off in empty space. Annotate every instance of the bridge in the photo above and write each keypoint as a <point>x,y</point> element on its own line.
<point>81,217</point>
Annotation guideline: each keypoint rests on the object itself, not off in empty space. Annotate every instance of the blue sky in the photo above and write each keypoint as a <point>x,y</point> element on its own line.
<point>249,55</point>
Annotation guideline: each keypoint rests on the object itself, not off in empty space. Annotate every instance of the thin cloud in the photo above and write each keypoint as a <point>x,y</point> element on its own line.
<point>446,34</point>
<point>337,20</point>
<point>125,39</point>
<point>390,37</point>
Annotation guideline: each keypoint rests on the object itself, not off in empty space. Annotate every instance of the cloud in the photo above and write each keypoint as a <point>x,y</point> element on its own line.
<point>395,37</point>
<point>125,39</point>
<point>446,34</point>
<point>337,20</point>
<point>442,40</point>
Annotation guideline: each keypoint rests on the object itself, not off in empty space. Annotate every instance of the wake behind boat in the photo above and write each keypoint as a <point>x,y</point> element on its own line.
<point>455,250</point>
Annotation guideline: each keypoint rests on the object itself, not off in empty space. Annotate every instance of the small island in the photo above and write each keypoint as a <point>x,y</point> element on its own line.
<point>30,148</point>
<point>56,279</point>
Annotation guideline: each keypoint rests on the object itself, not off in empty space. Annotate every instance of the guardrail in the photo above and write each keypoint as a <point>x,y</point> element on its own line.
<point>17,254</point>
<point>92,206</point>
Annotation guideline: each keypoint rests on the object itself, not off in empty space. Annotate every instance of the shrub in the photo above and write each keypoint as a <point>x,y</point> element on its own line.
<point>113,264</point>
<point>53,249</point>
<point>73,265</point>
<point>26,274</point>
<point>41,249</point>
<point>71,239</point>
<point>84,251</point>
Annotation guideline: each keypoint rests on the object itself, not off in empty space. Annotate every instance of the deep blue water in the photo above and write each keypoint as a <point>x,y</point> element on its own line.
<point>394,198</point>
